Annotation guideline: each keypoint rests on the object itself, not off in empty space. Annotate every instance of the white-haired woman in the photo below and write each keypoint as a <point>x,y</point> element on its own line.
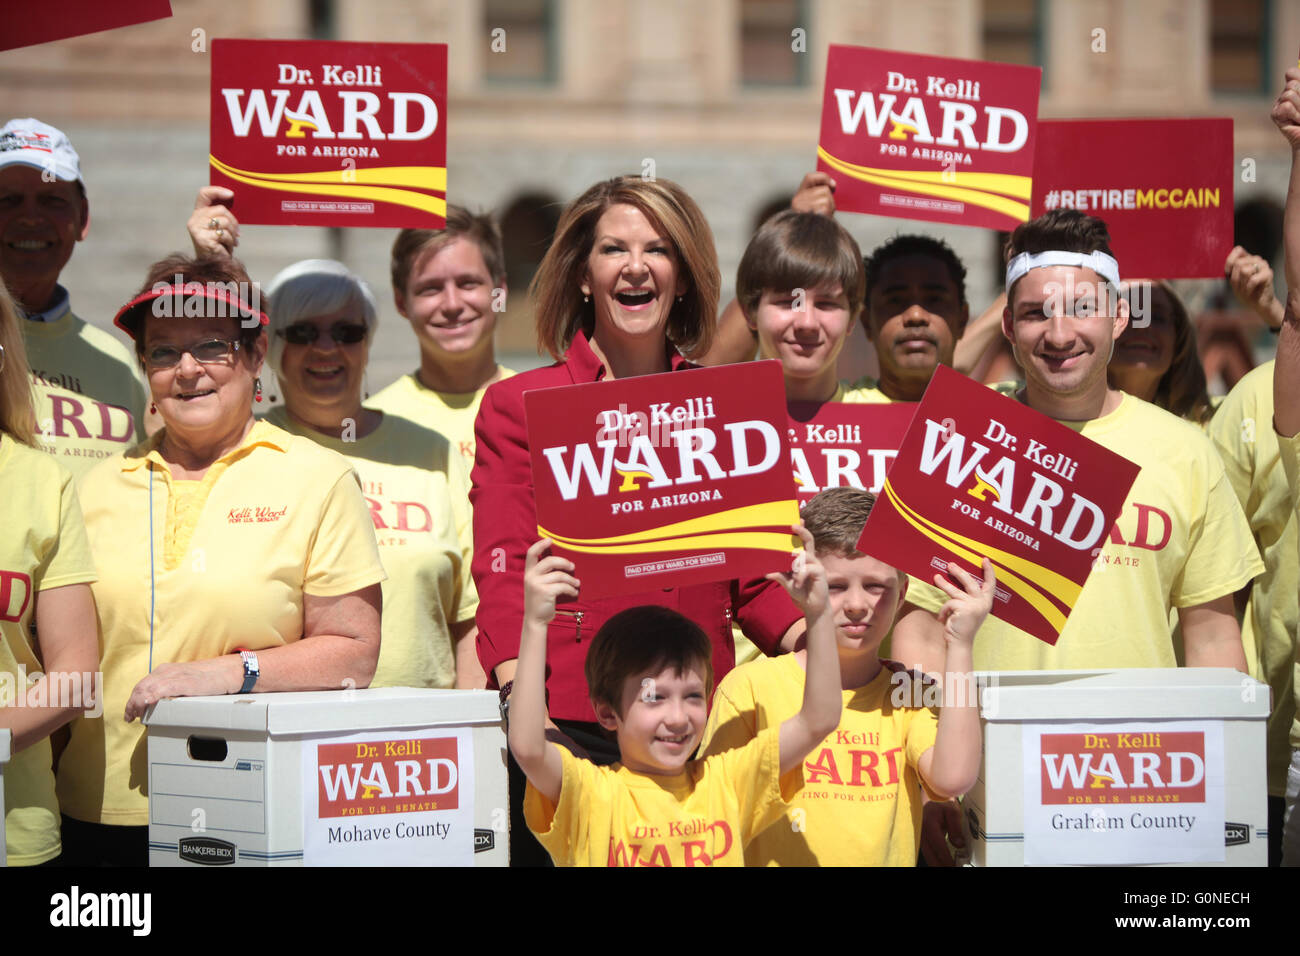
<point>48,652</point>
<point>322,323</point>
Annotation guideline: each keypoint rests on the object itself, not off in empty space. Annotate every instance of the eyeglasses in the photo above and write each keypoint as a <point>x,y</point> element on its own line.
<point>305,333</point>
<point>206,352</point>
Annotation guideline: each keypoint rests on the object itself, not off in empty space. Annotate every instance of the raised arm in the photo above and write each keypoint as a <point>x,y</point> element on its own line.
<point>1286,373</point>
<point>546,578</point>
<point>213,228</point>
<point>822,701</point>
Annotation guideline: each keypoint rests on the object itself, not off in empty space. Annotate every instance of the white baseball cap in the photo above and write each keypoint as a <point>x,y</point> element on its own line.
<point>33,143</point>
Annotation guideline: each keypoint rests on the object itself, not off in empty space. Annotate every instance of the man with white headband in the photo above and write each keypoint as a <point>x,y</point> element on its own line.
<point>89,396</point>
<point>1181,540</point>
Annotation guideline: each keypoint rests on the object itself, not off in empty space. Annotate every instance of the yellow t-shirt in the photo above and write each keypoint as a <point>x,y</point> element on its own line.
<point>90,398</point>
<point>43,546</point>
<point>418,493</point>
<point>448,413</point>
<point>866,391</point>
<point>861,803</point>
<point>1242,430</point>
<point>283,518</point>
<point>1180,540</point>
<point>703,816</point>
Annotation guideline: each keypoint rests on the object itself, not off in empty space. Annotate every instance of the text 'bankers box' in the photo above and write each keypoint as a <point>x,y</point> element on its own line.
<point>382,777</point>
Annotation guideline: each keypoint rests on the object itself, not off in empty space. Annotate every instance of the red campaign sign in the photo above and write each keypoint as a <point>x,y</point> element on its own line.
<point>929,137</point>
<point>665,480</point>
<point>26,24</point>
<point>402,775</point>
<point>981,475</point>
<point>317,133</point>
<point>1163,186</point>
<point>1151,767</point>
<point>834,444</point>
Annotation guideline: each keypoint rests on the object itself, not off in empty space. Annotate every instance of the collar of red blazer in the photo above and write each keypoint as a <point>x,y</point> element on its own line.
<point>585,366</point>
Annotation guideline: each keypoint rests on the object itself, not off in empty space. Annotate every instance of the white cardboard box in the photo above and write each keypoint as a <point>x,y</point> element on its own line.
<point>1101,767</point>
<point>391,776</point>
<point>4,759</point>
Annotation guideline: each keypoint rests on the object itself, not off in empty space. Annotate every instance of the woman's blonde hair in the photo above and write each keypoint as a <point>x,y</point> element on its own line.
<point>17,413</point>
<point>556,291</point>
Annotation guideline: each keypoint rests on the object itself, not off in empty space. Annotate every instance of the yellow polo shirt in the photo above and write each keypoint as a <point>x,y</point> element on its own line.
<point>448,413</point>
<point>43,546</point>
<point>417,489</point>
<point>232,556</point>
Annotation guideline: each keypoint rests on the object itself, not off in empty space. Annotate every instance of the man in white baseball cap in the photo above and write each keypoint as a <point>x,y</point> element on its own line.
<point>90,397</point>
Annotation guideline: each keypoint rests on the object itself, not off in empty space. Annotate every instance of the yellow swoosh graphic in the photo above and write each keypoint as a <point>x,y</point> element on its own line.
<point>758,540</point>
<point>1000,204</point>
<point>768,513</point>
<point>1008,184</point>
<point>319,184</point>
<point>1057,587</point>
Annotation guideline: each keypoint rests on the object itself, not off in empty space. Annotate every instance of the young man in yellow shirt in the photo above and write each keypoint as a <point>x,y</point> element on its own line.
<point>449,284</point>
<point>862,802</point>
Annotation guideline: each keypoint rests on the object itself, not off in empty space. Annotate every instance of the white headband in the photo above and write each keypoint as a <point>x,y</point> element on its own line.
<point>1100,263</point>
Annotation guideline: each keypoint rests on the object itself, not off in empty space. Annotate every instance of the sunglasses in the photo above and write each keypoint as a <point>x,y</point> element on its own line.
<point>206,352</point>
<point>305,333</point>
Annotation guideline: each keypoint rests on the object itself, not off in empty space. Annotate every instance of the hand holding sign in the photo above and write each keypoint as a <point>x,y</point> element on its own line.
<point>213,228</point>
<point>546,580</point>
<point>816,194</point>
<point>968,605</point>
<point>805,582</point>
<point>1286,109</point>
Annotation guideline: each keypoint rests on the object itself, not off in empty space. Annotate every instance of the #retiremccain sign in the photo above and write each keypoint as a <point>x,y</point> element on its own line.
<point>980,475</point>
<point>928,137</point>
<point>665,480</point>
<point>331,134</point>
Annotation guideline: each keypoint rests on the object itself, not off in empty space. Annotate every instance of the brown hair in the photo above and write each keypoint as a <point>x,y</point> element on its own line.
<point>17,414</point>
<point>227,272</point>
<point>478,228</point>
<point>639,639</point>
<point>1063,230</point>
<point>835,519</point>
<point>555,288</point>
<point>1182,390</point>
<point>800,250</point>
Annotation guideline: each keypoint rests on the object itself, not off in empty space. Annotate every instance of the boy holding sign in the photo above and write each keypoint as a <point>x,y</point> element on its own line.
<point>861,806</point>
<point>650,673</point>
<point>1181,539</point>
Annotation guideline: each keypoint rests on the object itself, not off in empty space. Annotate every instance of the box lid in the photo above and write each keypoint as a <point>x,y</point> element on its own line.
<point>1137,693</point>
<point>4,746</point>
<point>312,712</point>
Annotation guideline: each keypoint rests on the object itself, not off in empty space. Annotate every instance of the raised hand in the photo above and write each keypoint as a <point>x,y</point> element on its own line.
<point>547,578</point>
<point>1251,279</point>
<point>816,194</point>
<point>1286,109</point>
<point>805,582</point>
<point>967,606</point>
<point>213,228</point>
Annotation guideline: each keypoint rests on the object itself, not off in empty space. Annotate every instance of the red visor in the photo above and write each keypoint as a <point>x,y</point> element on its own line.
<point>217,302</point>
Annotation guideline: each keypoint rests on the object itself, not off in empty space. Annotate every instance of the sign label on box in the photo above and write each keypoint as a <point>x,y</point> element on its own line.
<point>1106,793</point>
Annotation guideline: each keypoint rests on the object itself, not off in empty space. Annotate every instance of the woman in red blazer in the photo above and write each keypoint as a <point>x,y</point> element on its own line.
<point>630,282</point>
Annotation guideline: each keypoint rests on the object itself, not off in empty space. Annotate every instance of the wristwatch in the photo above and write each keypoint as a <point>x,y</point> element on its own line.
<point>251,671</point>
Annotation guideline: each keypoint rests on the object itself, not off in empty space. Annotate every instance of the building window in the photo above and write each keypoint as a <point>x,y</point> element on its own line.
<point>527,228</point>
<point>1239,61</point>
<point>1013,32</point>
<point>768,42</point>
<point>520,35</point>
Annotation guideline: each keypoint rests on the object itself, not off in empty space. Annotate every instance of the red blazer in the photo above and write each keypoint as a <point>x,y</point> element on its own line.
<point>505,524</point>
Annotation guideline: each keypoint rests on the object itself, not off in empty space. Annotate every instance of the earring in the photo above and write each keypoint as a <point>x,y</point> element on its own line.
<point>365,385</point>
<point>257,390</point>
<point>2,358</point>
<point>681,299</point>
<point>153,409</point>
<point>586,298</point>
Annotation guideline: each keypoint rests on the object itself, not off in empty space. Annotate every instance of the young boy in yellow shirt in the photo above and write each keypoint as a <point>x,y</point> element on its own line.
<point>649,672</point>
<point>861,804</point>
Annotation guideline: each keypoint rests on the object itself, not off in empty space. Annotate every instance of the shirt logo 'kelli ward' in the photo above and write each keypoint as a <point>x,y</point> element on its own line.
<point>255,515</point>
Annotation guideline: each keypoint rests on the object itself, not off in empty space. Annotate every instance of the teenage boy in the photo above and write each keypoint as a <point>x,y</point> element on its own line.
<point>862,802</point>
<point>449,284</point>
<point>1181,540</point>
<point>650,674</point>
<point>87,385</point>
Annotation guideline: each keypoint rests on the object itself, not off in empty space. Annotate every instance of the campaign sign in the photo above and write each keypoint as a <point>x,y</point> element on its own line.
<point>320,133</point>
<point>836,444</point>
<point>1123,793</point>
<point>26,24</point>
<point>665,480</point>
<point>1163,186</point>
<point>389,798</point>
<point>980,475</point>
<point>928,137</point>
